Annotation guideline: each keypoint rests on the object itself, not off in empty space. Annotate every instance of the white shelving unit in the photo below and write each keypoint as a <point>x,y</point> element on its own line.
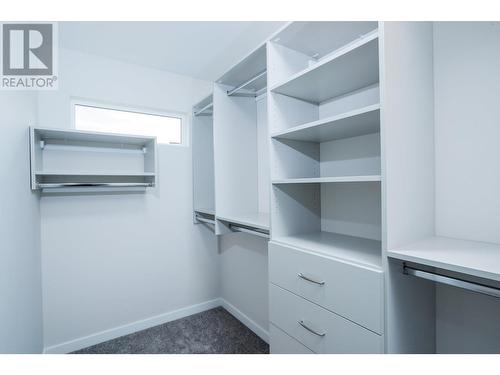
<point>351,183</point>
<point>203,163</point>
<point>81,161</point>
<point>241,147</point>
<point>324,116</point>
<point>326,198</point>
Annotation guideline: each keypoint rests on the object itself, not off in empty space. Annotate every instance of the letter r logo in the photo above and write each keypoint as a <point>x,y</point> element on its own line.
<point>27,49</point>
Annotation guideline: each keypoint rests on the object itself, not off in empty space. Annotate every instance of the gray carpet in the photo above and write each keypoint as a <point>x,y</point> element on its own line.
<point>211,332</point>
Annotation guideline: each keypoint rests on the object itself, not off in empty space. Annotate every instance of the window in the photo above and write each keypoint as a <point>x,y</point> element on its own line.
<point>167,128</point>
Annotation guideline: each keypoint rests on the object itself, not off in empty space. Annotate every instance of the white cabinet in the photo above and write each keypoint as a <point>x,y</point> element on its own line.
<point>282,343</point>
<point>349,290</point>
<point>317,328</point>
<point>326,175</point>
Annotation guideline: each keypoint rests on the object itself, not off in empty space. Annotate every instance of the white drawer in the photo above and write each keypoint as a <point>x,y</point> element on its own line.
<point>334,334</point>
<point>281,343</point>
<point>352,291</point>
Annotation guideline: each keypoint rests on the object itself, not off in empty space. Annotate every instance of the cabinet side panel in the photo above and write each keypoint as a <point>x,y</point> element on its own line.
<point>203,162</point>
<point>407,131</point>
<point>235,150</point>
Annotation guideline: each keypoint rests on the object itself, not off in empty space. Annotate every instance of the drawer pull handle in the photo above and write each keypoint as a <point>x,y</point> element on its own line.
<point>302,276</point>
<point>320,334</point>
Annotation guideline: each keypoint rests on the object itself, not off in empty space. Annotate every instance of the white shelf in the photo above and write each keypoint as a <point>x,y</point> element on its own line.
<point>308,37</point>
<point>353,249</point>
<point>480,259</point>
<point>75,136</point>
<point>208,211</point>
<point>59,169</point>
<point>259,220</point>
<point>350,124</point>
<point>348,69</point>
<point>97,174</point>
<point>319,180</point>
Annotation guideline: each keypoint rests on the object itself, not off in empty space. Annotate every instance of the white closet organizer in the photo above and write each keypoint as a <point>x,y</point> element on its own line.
<point>241,147</point>
<point>203,163</point>
<point>81,161</point>
<point>325,250</point>
<point>415,258</point>
<point>353,254</point>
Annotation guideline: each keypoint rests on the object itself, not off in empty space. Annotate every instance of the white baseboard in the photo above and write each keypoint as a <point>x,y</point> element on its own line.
<point>257,329</point>
<point>113,333</point>
<point>96,338</point>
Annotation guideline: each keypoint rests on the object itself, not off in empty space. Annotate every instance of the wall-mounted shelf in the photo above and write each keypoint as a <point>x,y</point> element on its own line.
<point>358,250</point>
<point>480,259</point>
<point>346,125</point>
<point>96,174</point>
<point>320,180</point>
<point>80,161</point>
<point>348,69</point>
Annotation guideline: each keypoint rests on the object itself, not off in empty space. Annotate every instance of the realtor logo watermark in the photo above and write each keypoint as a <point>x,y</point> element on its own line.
<point>29,56</point>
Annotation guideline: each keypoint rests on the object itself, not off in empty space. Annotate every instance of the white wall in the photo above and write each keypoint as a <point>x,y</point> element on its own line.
<point>20,290</point>
<point>111,260</point>
<point>467,133</point>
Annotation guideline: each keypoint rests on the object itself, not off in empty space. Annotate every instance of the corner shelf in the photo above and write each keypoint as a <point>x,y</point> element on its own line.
<point>358,250</point>
<point>346,125</point>
<point>480,259</point>
<point>319,180</point>
<point>82,161</point>
<point>348,69</point>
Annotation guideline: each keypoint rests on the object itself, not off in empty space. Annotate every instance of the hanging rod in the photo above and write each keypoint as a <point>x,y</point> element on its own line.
<point>448,280</point>
<point>94,184</point>
<point>245,84</point>
<point>204,220</point>
<point>257,232</point>
<point>200,112</point>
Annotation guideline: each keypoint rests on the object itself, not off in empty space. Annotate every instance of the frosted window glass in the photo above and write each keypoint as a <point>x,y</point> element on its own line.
<point>167,129</point>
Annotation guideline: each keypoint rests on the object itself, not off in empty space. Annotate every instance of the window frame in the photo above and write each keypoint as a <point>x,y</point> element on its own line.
<point>184,117</point>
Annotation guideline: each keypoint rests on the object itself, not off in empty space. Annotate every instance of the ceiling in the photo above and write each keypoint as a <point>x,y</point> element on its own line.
<point>204,50</point>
